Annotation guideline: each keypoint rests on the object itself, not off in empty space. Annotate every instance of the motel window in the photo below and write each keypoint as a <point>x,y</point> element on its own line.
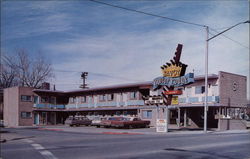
<point>102,97</point>
<point>147,114</point>
<point>53,100</point>
<point>199,89</point>
<point>26,115</point>
<point>110,97</point>
<point>84,99</point>
<point>72,99</point>
<point>25,98</point>
<point>189,91</point>
<point>36,99</point>
<point>44,99</point>
<point>133,95</point>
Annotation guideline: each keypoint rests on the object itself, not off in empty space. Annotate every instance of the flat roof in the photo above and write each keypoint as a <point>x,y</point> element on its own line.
<point>118,86</point>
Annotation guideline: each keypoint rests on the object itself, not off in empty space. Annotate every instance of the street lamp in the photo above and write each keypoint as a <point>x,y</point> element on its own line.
<point>206,68</point>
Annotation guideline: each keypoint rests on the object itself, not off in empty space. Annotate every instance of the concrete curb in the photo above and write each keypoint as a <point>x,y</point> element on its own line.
<point>148,131</point>
<point>134,132</point>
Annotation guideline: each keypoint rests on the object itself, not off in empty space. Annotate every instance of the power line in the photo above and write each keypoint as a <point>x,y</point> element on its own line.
<point>164,17</point>
<point>150,14</point>
<point>230,39</point>
<point>97,74</point>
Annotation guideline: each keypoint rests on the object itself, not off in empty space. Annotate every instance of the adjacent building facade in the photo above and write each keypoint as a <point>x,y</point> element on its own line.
<point>226,100</point>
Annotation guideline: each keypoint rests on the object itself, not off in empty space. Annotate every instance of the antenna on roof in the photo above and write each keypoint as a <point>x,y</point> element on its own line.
<point>84,77</point>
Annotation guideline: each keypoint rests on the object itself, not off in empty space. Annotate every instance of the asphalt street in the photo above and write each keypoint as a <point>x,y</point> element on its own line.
<point>53,144</point>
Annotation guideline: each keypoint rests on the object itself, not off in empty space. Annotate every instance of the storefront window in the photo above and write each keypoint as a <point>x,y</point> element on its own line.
<point>147,114</point>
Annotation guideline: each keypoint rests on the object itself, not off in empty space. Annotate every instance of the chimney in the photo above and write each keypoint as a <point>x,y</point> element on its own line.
<point>46,85</point>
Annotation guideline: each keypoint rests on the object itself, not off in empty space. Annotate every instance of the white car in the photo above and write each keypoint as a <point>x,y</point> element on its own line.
<point>97,120</point>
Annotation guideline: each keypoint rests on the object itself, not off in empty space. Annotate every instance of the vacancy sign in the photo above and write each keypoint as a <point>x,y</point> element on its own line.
<point>161,125</point>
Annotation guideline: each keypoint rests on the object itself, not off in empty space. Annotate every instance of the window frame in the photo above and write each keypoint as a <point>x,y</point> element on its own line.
<point>102,97</point>
<point>199,89</point>
<point>133,95</point>
<point>111,97</point>
<point>149,114</point>
<point>26,115</point>
<point>46,99</point>
<point>25,99</point>
<point>84,99</point>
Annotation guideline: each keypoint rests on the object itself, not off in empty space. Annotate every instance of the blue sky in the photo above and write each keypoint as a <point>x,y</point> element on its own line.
<point>117,46</point>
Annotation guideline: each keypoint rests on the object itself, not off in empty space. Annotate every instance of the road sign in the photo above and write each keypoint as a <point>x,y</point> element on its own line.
<point>152,100</point>
<point>173,92</point>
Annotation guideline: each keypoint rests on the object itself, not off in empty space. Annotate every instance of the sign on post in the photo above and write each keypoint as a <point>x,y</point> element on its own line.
<point>161,125</point>
<point>175,100</point>
<point>173,76</point>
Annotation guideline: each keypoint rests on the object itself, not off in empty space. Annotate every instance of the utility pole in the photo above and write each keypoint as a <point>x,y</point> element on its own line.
<point>84,77</point>
<point>206,68</point>
<point>206,79</point>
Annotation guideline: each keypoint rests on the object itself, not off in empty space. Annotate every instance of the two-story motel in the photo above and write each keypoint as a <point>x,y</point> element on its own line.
<point>24,106</point>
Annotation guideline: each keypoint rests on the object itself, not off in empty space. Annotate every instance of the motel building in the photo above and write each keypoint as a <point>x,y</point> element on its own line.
<point>25,106</point>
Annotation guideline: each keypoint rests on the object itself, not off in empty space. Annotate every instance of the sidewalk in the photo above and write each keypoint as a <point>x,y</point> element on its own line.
<point>140,131</point>
<point>5,136</point>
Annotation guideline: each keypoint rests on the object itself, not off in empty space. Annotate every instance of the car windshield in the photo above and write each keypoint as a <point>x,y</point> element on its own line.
<point>126,119</point>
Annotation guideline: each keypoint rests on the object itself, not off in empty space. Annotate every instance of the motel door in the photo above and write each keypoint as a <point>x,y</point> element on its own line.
<point>36,119</point>
<point>118,99</point>
<point>125,98</point>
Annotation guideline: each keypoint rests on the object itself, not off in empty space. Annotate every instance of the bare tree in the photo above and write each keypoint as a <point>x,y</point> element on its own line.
<point>27,71</point>
<point>8,75</point>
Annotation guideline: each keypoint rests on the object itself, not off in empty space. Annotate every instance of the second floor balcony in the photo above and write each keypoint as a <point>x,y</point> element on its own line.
<point>105,104</point>
<point>48,106</point>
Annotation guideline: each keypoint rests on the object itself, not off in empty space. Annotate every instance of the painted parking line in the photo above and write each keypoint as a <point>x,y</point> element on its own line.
<point>37,146</point>
<point>45,153</point>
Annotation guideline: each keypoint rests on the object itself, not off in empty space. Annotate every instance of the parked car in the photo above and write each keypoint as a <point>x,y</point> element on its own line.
<point>125,122</point>
<point>97,121</point>
<point>77,121</point>
<point>108,122</point>
<point>130,122</point>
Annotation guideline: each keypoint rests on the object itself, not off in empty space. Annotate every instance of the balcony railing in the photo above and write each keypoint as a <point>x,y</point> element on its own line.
<point>104,104</point>
<point>49,106</point>
<point>214,99</point>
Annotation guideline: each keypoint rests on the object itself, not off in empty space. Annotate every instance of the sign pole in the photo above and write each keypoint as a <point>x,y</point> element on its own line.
<point>167,116</point>
<point>173,76</point>
<point>206,81</point>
